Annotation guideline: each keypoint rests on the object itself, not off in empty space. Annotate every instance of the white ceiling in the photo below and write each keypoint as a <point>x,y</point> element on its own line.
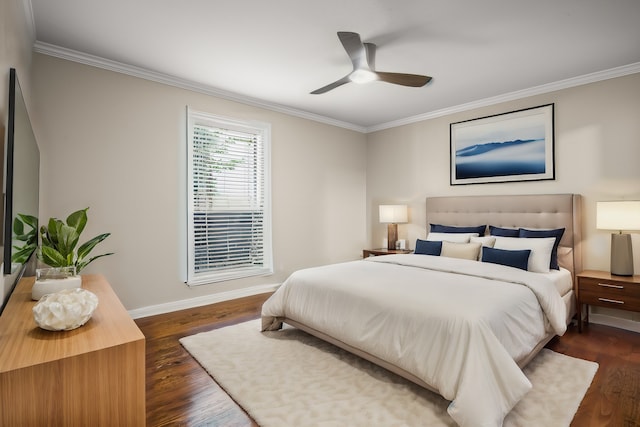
<point>274,53</point>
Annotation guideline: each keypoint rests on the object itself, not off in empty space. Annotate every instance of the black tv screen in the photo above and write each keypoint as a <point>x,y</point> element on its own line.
<point>21,179</point>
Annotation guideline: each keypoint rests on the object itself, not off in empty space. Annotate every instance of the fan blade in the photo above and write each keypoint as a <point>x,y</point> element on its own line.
<point>333,85</point>
<point>354,47</point>
<point>370,50</point>
<point>413,80</point>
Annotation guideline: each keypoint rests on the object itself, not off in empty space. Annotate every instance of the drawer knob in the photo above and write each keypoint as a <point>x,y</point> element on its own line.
<point>608,285</point>
<point>615,301</point>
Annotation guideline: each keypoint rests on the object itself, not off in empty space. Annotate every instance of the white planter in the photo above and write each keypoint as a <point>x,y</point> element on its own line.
<point>49,286</point>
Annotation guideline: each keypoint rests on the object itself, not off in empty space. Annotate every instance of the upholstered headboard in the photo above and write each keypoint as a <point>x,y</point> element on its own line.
<point>513,211</point>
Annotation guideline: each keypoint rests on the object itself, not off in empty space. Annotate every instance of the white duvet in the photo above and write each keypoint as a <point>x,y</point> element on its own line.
<point>458,325</point>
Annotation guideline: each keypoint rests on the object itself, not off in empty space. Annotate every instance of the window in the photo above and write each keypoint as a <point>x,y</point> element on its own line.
<point>229,215</point>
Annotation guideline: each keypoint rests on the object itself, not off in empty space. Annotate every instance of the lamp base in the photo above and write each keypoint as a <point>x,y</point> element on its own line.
<point>621,255</point>
<point>392,236</point>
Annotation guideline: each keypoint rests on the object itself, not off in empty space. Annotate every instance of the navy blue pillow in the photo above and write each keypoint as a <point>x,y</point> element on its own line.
<point>428,247</point>
<point>504,232</point>
<point>517,259</point>
<point>557,233</point>
<point>438,228</point>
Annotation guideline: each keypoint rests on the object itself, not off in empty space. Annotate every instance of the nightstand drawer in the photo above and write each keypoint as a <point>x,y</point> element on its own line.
<point>604,289</point>
<point>622,295</point>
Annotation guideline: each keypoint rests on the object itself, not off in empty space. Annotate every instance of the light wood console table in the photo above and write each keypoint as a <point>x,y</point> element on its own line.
<point>91,376</point>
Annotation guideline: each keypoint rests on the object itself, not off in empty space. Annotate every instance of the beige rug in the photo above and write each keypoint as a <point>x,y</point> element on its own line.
<point>289,378</point>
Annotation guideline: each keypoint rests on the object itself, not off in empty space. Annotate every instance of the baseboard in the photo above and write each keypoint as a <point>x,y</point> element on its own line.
<point>616,322</point>
<point>153,310</point>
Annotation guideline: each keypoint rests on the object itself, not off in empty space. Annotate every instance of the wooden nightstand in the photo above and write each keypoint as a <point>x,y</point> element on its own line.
<point>603,289</point>
<point>383,251</point>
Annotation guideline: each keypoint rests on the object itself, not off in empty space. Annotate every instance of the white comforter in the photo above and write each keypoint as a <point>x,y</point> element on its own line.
<point>459,332</point>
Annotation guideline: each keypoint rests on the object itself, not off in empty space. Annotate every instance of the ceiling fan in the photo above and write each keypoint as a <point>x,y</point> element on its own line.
<point>363,57</point>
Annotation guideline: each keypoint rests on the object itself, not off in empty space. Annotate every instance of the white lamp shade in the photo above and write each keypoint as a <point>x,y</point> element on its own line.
<point>619,215</point>
<point>393,214</point>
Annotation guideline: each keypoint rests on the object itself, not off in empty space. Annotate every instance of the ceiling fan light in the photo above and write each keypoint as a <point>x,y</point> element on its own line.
<point>362,76</point>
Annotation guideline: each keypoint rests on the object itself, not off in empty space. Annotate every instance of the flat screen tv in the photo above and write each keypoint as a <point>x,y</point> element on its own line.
<point>20,182</point>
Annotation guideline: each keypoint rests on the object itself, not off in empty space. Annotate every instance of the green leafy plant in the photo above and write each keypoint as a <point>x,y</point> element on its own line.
<point>25,229</point>
<point>59,241</point>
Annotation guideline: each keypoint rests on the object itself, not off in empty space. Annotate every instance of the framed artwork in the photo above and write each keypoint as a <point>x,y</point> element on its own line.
<point>508,147</point>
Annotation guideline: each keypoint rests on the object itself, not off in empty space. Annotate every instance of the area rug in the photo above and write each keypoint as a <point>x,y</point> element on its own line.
<point>289,378</point>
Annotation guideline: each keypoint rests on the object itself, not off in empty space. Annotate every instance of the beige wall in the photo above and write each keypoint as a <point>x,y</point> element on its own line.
<point>116,143</point>
<point>597,154</point>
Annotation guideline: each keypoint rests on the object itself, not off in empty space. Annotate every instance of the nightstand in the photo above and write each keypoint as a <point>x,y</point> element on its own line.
<point>604,289</point>
<point>383,251</point>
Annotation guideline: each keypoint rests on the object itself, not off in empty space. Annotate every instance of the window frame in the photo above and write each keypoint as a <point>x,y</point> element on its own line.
<point>246,126</point>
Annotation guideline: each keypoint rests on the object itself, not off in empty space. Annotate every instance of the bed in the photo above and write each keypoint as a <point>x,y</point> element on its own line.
<point>456,326</point>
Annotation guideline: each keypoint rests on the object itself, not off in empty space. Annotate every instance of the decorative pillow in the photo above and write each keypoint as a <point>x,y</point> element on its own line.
<point>426,247</point>
<point>505,232</point>
<point>487,241</point>
<point>540,248</point>
<point>556,233</point>
<point>451,237</point>
<point>438,228</point>
<point>484,240</point>
<point>518,259</point>
<point>565,257</point>
<point>460,250</point>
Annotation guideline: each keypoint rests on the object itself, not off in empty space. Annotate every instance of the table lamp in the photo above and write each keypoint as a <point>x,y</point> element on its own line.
<point>619,215</point>
<point>393,215</point>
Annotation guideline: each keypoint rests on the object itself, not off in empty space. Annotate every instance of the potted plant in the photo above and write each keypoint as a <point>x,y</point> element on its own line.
<point>59,250</point>
<point>59,241</point>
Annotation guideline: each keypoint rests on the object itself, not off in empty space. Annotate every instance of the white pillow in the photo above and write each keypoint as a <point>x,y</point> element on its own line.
<point>484,240</point>
<point>488,241</point>
<point>565,257</point>
<point>540,247</point>
<point>460,250</point>
<point>451,237</point>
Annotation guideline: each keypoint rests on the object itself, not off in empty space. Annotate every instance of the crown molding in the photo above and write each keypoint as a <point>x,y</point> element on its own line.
<point>96,61</point>
<point>512,96</point>
<point>131,70</point>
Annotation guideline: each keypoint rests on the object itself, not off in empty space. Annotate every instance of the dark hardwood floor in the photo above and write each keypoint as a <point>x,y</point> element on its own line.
<point>181,393</point>
<point>614,396</point>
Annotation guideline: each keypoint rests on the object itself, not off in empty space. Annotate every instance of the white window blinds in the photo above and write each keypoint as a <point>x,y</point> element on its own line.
<point>229,199</point>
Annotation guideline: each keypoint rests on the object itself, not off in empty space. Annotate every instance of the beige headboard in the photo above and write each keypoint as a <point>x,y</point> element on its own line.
<point>529,211</point>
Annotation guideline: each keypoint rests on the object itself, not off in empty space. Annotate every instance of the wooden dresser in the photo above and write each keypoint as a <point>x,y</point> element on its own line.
<point>91,376</point>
